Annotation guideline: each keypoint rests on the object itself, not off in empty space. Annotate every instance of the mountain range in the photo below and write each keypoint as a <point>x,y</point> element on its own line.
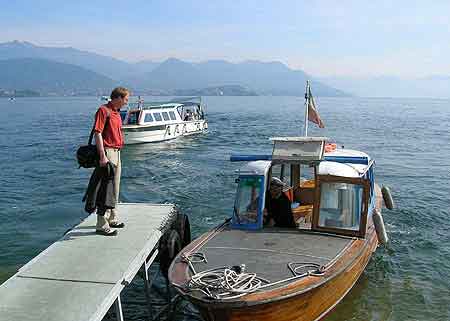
<point>72,71</point>
<point>66,70</point>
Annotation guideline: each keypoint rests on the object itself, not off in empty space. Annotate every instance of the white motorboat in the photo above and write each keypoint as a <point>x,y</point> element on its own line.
<point>155,122</point>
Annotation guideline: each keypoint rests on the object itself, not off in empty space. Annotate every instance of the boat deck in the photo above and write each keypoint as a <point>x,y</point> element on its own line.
<point>268,252</point>
<point>80,276</point>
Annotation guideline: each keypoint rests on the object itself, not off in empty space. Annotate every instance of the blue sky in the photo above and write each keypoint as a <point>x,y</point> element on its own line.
<point>324,38</point>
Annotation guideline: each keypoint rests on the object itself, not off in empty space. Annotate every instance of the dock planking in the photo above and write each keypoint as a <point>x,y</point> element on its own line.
<point>80,276</point>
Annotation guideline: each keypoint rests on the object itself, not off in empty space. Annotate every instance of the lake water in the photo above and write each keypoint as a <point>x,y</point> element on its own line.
<point>41,187</point>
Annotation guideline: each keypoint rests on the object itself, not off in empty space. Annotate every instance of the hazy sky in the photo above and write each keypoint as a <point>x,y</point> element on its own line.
<point>396,37</point>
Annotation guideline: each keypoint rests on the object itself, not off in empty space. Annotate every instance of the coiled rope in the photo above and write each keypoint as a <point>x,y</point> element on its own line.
<point>230,282</point>
<point>225,282</point>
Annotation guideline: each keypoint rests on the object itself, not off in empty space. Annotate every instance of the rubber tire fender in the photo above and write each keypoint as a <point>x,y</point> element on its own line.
<point>183,227</point>
<point>387,198</point>
<point>169,247</point>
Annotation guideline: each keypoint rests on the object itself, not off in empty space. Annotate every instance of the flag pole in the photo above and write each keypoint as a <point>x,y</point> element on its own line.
<point>306,108</point>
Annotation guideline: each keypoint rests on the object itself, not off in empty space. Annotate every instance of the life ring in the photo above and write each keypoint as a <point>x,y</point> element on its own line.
<point>183,227</point>
<point>387,197</point>
<point>379,227</point>
<point>169,246</point>
<point>329,147</point>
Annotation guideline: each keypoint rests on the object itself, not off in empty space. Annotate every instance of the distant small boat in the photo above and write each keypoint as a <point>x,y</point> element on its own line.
<point>105,98</point>
<point>160,121</point>
<point>12,99</point>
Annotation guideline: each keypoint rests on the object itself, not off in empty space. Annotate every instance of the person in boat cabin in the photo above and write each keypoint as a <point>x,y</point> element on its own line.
<point>277,210</point>
<point>109,141</point>
<point>187,115</point>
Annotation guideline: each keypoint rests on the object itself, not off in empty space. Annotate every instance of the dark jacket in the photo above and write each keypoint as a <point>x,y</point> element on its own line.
<point>100,193</point>
<point>280,210</point>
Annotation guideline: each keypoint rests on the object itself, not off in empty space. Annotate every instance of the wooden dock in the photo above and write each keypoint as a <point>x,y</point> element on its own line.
<point>79,277</point>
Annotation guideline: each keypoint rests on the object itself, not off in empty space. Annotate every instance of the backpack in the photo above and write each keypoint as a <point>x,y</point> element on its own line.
<point>87,155</point>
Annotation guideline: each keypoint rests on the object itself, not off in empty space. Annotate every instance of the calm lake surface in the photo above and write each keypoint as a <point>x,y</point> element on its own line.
<point>41,186</point>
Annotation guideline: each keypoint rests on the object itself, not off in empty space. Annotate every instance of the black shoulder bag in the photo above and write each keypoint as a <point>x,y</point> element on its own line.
<point>87,155</point>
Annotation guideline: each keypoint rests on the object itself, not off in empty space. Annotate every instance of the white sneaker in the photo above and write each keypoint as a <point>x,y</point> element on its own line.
<point>103,227</point>
<point>113,219</point>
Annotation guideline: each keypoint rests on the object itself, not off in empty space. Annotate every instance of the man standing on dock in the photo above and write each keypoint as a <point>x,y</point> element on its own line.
<point>109,141</point>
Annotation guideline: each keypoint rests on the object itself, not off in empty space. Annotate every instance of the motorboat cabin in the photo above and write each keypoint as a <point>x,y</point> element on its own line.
<point>334,193</point>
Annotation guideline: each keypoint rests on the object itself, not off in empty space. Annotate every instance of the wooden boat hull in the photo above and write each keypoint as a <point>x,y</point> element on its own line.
<point>313,304</point>
<point>304,300</point>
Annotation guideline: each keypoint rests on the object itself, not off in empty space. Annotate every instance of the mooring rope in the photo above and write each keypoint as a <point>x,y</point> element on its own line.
<point>230,282</point>
<point>226,282</point>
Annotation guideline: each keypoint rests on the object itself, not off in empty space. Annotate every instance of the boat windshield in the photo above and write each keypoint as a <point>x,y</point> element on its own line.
<point>248,204</point>
<point>341,206</point>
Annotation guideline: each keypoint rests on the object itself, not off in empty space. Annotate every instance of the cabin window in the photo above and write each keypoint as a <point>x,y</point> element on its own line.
<point>172,115</point>
<point>148,118</point>
<point>340,206</point>
<point>165,115</point>
<point>249,201</point>
<point>157,116</point>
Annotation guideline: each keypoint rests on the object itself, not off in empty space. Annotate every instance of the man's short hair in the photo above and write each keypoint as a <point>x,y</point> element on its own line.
<point>119,92</point>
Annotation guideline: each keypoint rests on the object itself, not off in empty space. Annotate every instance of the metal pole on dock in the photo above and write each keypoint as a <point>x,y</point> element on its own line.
<point>118,308</point>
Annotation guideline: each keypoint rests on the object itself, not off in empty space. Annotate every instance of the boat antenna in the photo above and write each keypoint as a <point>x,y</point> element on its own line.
<point>307,91</point>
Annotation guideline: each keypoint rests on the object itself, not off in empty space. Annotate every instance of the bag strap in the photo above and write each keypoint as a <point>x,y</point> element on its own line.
<point>91,136</point>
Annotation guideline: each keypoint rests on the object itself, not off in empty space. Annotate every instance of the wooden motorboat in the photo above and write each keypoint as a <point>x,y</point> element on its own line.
<point>247,270</point>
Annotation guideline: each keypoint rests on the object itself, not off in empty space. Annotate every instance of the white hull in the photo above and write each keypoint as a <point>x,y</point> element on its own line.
<point>138,134</point>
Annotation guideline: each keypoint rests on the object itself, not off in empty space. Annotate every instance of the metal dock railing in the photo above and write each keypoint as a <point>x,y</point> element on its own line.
<point>79,277</point>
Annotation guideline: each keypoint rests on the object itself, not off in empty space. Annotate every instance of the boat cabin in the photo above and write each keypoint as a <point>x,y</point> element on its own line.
<point>328,190</point>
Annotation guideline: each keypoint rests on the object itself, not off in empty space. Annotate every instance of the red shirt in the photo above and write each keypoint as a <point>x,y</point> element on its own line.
<point>110,129</point>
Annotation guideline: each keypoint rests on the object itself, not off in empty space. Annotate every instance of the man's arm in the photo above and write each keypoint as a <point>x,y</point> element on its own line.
<point>100,149</point>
